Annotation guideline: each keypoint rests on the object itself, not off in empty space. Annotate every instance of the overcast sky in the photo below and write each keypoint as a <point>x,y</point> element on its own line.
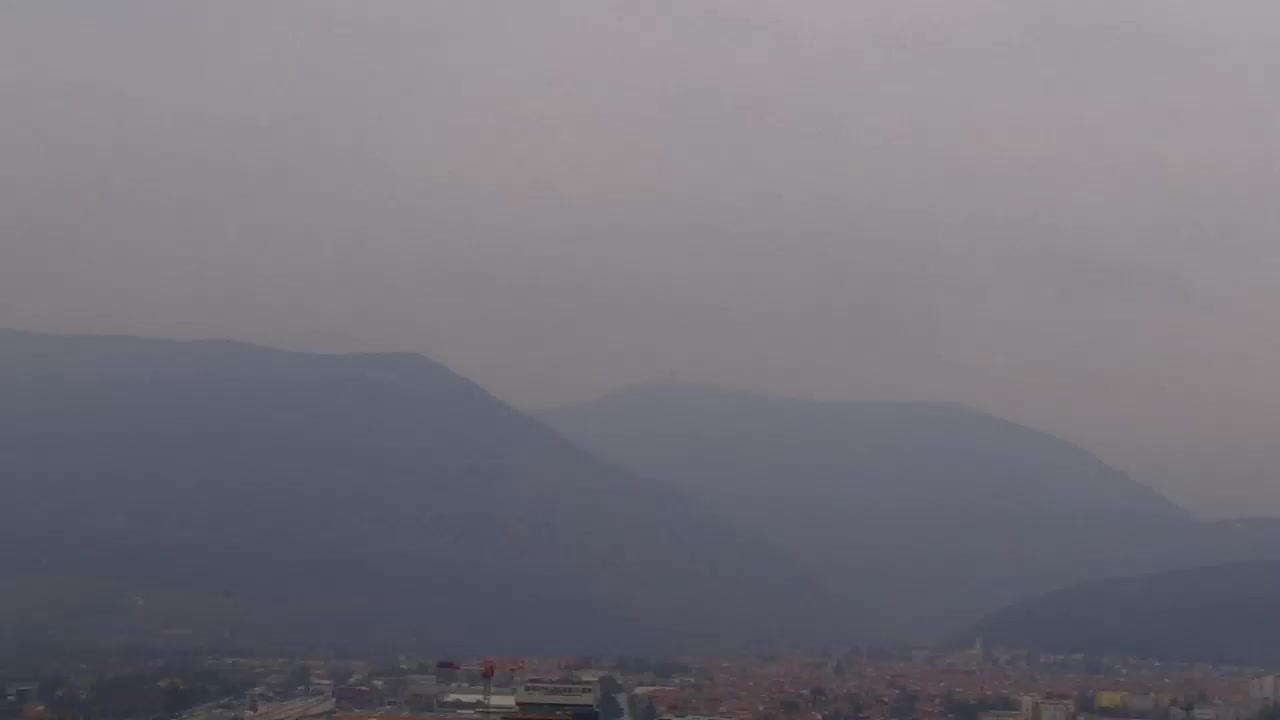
<point>1065,213</point>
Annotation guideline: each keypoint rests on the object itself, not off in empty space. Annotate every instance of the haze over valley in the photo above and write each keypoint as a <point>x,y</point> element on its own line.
<point>907,349</point>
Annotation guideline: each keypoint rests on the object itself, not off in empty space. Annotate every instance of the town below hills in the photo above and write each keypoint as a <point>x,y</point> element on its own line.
<point>859,683</point>
<point>224,495</point>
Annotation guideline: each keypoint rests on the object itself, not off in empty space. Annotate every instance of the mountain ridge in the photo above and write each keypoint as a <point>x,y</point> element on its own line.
<point>1219,613</point>
<point>892,492</point>
<point>176,469</point>
<point>662,391</point>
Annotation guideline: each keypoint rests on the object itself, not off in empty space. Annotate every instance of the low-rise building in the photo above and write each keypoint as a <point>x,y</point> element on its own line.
<point>1265,688</point>
<point>556,700</point>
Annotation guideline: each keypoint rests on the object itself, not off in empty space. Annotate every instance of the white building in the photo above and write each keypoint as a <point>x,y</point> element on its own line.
<point>568,695</point>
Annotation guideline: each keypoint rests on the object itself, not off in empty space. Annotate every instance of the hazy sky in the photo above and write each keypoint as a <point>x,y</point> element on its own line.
<point>1063,212</point>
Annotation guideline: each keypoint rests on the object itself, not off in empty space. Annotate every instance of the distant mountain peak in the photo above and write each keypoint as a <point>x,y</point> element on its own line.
<point>885,493</point>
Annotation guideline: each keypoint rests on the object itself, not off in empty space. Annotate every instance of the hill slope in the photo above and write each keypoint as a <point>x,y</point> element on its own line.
<point>1227,613</point>
<point>260,495</point>
<point>934,514</point>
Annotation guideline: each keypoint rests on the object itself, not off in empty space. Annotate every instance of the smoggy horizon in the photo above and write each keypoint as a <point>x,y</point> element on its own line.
<point>1058,213</point>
